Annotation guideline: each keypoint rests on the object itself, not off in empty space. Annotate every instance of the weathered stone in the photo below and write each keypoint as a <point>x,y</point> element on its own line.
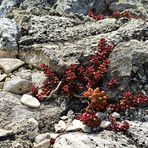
<point>83,35</point>
<point>24,74</point>
<point>101,140</point>
<point>2,77</point>
<point>17,85</point>
<point>43,144</point>
<point>61,126</point>
<point>4,133</point>
<point>105,124</point>
<point>10,64</point>
<point>42,137</point>
<point>129,65</point>
<point>139,133</point>
<point>76,126</point>
<point>6,5</point>
<point>115,115</point>
<point>8,34</point>
<point>30,101</point>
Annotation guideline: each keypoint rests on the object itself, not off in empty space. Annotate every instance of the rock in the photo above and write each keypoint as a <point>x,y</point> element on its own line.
<point>17,85</point>
<point>8,35</point>
<point>42,137</point>
<point>29,5</point>
<point>10,64</point>
<point>2,77</point>
<point>138,131</point>
<point>38,78</point>
<point>81,7</point>
<point>105,124</point>
<point>30,101</point>
<point>101,140</point>
<point>74,6</point>
<point>61,126</point>
<point>43,144</point>
<point>24,74</point>
<point>115,115</point>
<point>76,126</point>
<point>32,120</point>
<point>124,4</point>
<point>128,64</point>
<point>81,30</point>
<point>4,133</point>
<point>16,117</point>
<point>64,118</point>
<point>6,5</point>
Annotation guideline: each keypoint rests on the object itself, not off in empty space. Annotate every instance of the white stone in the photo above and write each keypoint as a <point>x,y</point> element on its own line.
<point>76,125</point>
<point>61,126</point>
<point>115,115</point>
<point>105,124</point>
<point>2,77</point>
<point>4,133</point>
<point>17,85</point>
<point>42,137</point>
<point>64,118</point>
<point>43,144</point>
<point>30,101</point>
<point>10,64</point>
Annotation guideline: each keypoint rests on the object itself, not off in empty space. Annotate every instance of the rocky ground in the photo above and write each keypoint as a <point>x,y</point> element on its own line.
<point>57,33</point>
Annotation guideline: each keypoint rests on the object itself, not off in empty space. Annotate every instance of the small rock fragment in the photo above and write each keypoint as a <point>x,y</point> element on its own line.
<point>105,124</point>
<point>76,125</point>
<point>30,101</point>
<point>61,126</point>
<point>115,115</point>
<point>64,118</point>
<point>2,77</point>
<point>42,137</point>
<point>43,144</point>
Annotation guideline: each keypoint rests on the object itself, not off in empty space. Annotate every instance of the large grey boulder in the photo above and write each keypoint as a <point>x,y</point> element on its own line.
<point>59,40</point>
<point>129,64</point>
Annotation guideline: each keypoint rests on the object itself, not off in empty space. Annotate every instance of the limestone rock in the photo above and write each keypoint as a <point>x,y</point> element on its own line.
<point>43,144</point>
<point>17,85</point>
<point>24,74</point>
<point>30,101</point>
<point>139,132</point>
<point>42,137</point>
<point>105,124</point>
<point>2,77</point>
<point>8,34</point>
<point>129,64</point>
<point>4,133</point>
<point>115,115</point>
<point>101,140</point>
<point>61,126</point>
<point>76,126</point>
<point>10,64</point>
<point>6,5</point>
